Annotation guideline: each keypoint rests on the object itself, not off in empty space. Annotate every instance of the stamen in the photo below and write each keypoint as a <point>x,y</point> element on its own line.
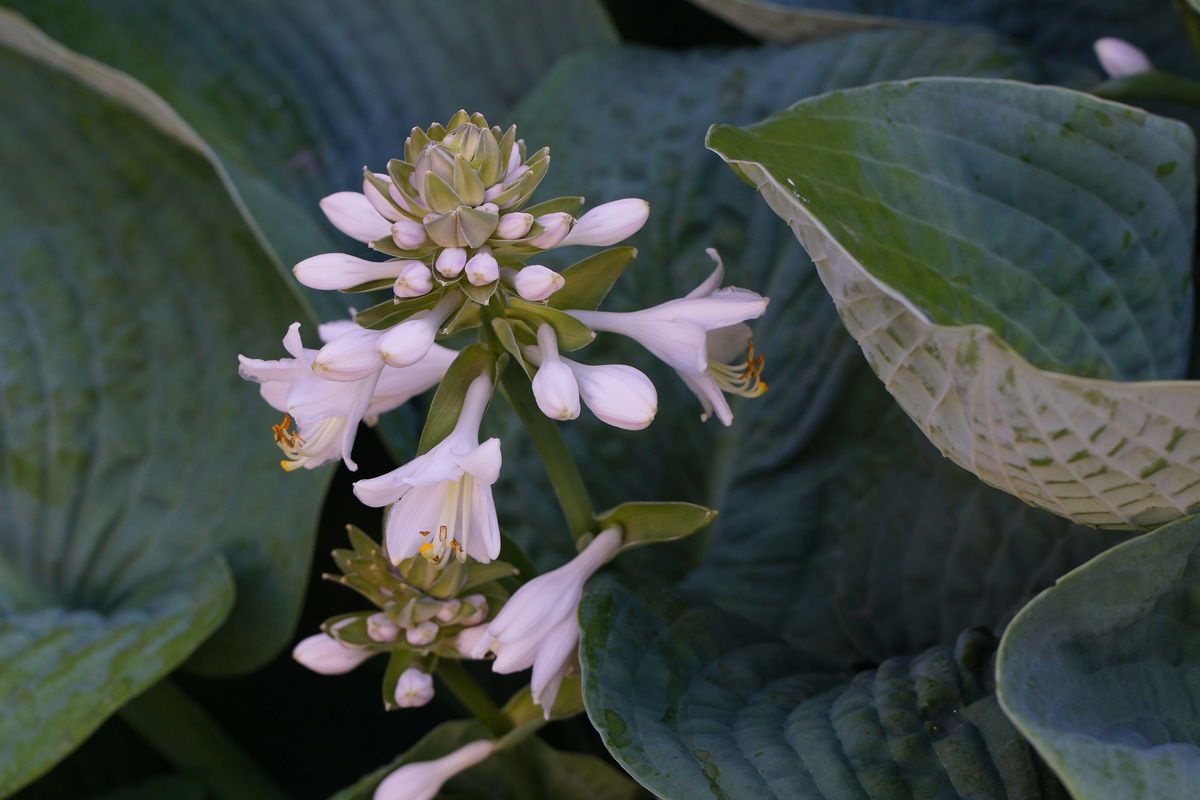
<point>741,379</point>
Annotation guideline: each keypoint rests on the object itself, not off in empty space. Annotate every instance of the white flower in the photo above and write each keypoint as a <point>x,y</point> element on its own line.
<point>482,267</point>
<point>352,214</point>
<point>445,493</point>
<point>513,226</point>
<point>414,688</point>
<point>618,394</point>
<point>323,654</point>
<point>413,280</point>
<point>539,627</point>
<point>408,342</point>
<point>536,283</point>
<point>469,639</point>
<point>421,780</point>
<point>351,356</point>
<point>450,262</point>
<point>679,332</point>
<point>557,225</point>
<point>327,412</point>
<point>380,628</point>
<point>554,386</point>
<point>408,234</point>
<point>1121,59</point>
<point>422,633</point>
<point>341,271</point>
<point>609,223</point>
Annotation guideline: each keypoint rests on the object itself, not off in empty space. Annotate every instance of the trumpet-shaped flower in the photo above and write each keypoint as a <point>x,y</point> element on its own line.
<point>539,627</point>
<point>353,214</point>
<point>327,412</point>
<point>325,655</point>
<point>341,271</point>
<point>445,494</point>
<point>680,331</point>
<point>422,780</point>
<point>554,386</point>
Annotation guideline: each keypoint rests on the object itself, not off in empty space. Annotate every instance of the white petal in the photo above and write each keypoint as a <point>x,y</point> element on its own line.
<point>414,688</point>
<point>328,331</point>
<point>421,780</point>
<point>609,223</point>
<point>407,234</point>
<point>350,357</point>
<point>450,262</point>
<point>536,283</point>
<point>516,655</point>
<point>557,225</point>
<point>293,344</point>
<point>397,385</point>
<point>409,342</point>
<point>483,462</point>
<point>275,393</point>
<point>323,654</point>
<point>513,226</point>
<point>285,369</point>
<point>473,642</point>
<point>352,214</point>
<point>417,511</point>
<point>713,281</point>
<point>414,280</point>
<point>711,396</point>
<point>378,201</point>
<point>1121,59</point>
<point>341,271</point>
<point>483,542</point>
<point>549,692</point>
<point>557,647</point>
<point>482,268</point>
<point>728,345</point>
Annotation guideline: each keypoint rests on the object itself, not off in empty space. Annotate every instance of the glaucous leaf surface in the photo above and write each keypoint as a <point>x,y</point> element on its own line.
<point>696,702</point>
<point>136,464</point>
<point>536,767</point>
<point>295,97</point>
<point>628,123</point>
<point>1102,671</point>
<point>1060,28</point>
<point>997,248</point>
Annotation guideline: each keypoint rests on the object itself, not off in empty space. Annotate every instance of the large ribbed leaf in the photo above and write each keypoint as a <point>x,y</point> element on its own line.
<point>1065,28</point>
<point>581,113</point>
<point>1102,672</point>
<point>696,702</point>
<point>295,97</point>
<point>133,472</point>
<point>996,248</point>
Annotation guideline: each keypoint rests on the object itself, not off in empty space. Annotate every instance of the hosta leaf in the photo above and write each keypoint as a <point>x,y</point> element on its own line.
<point>695,703</point>
<point>1063,28</point>
<point>136,466</point>
<point>294,101</point>
<point>1045,226</point>
<point>1102,672</point>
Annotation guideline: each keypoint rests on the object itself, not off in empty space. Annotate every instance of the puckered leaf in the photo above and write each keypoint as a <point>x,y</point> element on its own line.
<point>1102,672</point>
<point>994,264</point>
<point>137,466</point>
<point>695,702</point>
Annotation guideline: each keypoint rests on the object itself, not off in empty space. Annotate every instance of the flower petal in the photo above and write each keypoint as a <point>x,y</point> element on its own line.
<point>352,214</point>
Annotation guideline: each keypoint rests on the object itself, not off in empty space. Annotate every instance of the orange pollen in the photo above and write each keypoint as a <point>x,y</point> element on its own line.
<point>285,436</point>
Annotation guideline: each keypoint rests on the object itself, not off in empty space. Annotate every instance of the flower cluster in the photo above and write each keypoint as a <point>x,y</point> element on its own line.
<point>459,244</point>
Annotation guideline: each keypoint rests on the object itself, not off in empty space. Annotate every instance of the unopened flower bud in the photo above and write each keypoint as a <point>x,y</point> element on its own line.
<point>493,192</point>
<point>408,342</point>
<point>352,214</point>
<point>481,609</point>
<point>422,634</point>
<point>414,280</point>
<point>554,386</point>
<point>325,655</point>
<point>609,223</point>
<point>490,208</point>
<point>408,235</point>
<point>1121,59</point>
<point>557,226</point>
<point>341,271</point>
<point>473,642</point>
<point>422,780</point>
<point>451,262</point>
<point>381,628</point>
<point>618,394</point>
<point>535,282</point>
<point>448,610</point>
<point>513,226</point>
<point>377,200</point>
<point>482,268</point>
<point>414,688</point>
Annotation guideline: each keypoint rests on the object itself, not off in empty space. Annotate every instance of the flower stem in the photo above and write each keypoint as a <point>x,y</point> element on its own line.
<point>177,727</point>
<point>1150,86</point>
<point>1191,24</point>
<point>455,677</point>
<point>560,465</point>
